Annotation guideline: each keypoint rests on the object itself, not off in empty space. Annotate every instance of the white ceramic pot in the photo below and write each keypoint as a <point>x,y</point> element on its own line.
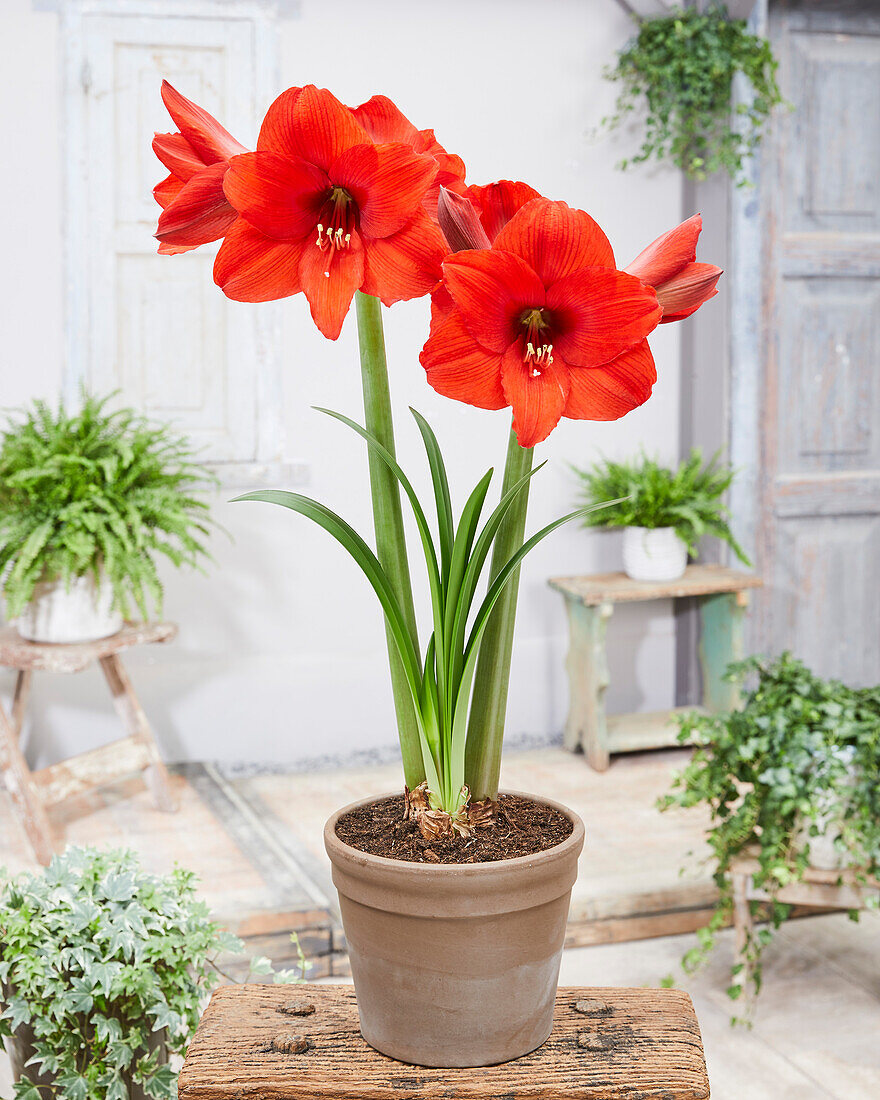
<point>79,612</point>
<point>653,553</point>
<point>825,854</point>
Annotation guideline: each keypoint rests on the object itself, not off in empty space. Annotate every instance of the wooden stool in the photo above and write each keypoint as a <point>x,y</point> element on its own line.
<point>590,600</point>
<point>822,889</point>
<point>271,1042</point>
<point>32,792</point>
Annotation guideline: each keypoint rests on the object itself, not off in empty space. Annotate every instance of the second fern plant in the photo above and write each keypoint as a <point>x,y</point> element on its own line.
<point>666,511</point>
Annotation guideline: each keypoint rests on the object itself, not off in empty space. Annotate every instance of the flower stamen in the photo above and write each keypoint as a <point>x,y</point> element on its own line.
<point>538,358</point>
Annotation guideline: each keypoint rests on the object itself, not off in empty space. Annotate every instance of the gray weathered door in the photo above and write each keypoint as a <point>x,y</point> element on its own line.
<point>818,537</point>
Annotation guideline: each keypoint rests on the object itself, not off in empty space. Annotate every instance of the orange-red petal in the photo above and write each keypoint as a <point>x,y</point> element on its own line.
<point>199,214</point>
<point>251,267</point>
<point>167,190</point>
<point>310,123</point>
<point>387,182</point>
<point>280,196</point>
<point>384,121</point>
<point>330,294</point>
<point>276,130</point>
<point>498,202</point>
<point>458,367</point>
<point>611,391</point>
<point>405,265</point>
<point>685,292</point>
<point>598,312</point>
<point>204,133</point>
<point>177,155</point>
<point>667,255</point>
<point>492,289</point>
<point>537,397</point>
<point>555,240</point>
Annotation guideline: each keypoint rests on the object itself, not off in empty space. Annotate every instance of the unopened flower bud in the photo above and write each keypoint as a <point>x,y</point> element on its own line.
<point>460,222</point>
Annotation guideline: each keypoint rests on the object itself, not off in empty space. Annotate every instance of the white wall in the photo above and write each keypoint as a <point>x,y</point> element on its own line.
<point>281,653</point>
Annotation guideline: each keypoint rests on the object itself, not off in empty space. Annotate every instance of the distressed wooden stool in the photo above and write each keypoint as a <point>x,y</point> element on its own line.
<point>282,1042</point>
<point>723,597</point>
<point>33,791</point>
<point>818,888</point>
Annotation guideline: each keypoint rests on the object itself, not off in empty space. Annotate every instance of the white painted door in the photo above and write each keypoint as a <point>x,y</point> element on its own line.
<point>156,327</point>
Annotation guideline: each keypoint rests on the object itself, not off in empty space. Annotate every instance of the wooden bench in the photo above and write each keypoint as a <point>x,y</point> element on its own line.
<point>723,597</point>
<point>33,792</point>
<point>818,889</point>
<point>302,1042</point>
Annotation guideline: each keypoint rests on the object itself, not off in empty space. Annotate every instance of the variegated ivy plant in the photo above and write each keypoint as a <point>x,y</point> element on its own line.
<point>103,974</point>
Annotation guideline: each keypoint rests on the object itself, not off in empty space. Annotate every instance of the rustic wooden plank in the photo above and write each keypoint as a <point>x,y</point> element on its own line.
<point>698,580</point>
<point>625,1044</point>
<point>16,776</point>
<point>749,865</point>
<point>587,668</point>
<point>650,729</point>
<point>721,643</point>
<point>15,652</point>
<point>131,713</point>
<point>88,770</point>
<point>625,929</point>
<point>20,700</point>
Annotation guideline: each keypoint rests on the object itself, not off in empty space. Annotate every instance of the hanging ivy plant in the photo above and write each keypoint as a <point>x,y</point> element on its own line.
<point>681,66</point>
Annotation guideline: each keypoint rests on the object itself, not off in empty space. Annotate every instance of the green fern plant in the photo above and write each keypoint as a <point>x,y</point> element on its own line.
<point>647,494</point>
<point>97,490</point>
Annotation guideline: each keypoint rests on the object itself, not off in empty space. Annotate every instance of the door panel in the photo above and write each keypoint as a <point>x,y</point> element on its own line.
<point>819,543</point>
<point>156,328</point>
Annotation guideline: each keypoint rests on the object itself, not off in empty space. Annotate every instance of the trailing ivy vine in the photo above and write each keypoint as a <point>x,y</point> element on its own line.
<point>681,66</point>
<point>799,760</point>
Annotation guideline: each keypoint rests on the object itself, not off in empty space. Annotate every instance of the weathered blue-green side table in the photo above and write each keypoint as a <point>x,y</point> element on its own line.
<point>723,598</point>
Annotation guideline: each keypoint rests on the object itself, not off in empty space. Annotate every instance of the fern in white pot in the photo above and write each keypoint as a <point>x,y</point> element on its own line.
<point>665,512</point>
<point>89,502</point>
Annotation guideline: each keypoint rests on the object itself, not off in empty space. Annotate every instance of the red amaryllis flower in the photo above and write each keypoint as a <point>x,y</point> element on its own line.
<point>326,211</point>
<point>668,266</point>
<point>194,207</point>
<point>542,321</point>
<point>385,122</point>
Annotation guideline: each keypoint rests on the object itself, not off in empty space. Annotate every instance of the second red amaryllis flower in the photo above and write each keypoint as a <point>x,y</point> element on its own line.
<point>543,322</point>
<point>326,211</point>
<point>195,210</point>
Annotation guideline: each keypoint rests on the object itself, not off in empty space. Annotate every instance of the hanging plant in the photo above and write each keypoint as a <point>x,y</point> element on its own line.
<point>682,67</point>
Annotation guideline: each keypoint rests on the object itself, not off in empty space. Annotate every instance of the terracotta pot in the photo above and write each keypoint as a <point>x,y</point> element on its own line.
<point>455,964</point>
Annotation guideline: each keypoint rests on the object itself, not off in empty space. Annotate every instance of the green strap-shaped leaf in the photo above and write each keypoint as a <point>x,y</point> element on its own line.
<point>436,586</point>
<point>442,497</point>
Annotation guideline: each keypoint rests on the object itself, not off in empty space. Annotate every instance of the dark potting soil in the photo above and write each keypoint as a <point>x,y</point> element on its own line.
<point>522,828</point>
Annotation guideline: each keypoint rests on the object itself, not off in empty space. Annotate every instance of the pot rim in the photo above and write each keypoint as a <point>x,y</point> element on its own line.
<point>332,842</point>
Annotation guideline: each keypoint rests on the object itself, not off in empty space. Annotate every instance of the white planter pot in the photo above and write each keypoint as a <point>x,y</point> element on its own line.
<point>653,554</point>
<point>81,612</point>
<point>825,855</point>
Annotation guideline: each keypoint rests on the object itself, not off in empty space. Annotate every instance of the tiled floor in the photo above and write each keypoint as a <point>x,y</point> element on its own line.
<point>256,843</point>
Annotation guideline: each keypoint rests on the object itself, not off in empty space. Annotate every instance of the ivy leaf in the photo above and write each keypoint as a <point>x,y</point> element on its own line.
<point>164,1017</point>
<point>162,1084</point>
<point>24,1090</point>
